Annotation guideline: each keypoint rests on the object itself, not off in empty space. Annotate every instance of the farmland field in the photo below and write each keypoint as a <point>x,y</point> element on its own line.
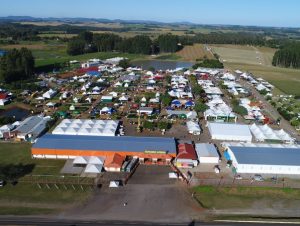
<point>194,52</point>
<point>257,60</point>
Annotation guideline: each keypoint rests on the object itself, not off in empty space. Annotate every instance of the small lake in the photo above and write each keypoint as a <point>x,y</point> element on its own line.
<point>17,113</point>
<point>162,64</point>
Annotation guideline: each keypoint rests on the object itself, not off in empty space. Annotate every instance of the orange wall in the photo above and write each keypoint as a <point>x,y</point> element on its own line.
<point>44,151</point>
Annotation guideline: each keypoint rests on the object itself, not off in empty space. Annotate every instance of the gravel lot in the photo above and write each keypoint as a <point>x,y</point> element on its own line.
<point>150,196</point>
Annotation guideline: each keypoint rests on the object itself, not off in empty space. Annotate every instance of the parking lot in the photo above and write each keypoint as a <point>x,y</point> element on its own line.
<point>151,174</point>
<point>150,196</point>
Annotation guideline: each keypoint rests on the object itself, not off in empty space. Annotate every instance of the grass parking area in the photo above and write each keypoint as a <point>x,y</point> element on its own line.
<point>194,52</point>
<point>27,198</point>
<point>258,60</point>
<point>243,197</point>
<point>286,80</point>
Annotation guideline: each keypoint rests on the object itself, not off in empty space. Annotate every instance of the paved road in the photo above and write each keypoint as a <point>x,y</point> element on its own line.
<point>67,222</point>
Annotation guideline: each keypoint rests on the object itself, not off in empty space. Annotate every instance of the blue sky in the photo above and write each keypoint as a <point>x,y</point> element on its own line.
<point>241,12</point>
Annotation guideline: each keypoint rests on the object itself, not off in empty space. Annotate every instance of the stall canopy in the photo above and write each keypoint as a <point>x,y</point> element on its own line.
<point>93,168</point>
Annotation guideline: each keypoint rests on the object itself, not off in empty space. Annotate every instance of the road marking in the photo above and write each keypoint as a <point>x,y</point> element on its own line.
<point>264,222</point>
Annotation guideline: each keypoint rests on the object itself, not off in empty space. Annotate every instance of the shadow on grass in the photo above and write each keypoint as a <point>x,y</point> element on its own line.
<point>13,172</point>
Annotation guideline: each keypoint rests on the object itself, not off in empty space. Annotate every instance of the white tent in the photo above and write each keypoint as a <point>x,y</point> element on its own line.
<point>193,127</point>
<point>80,160</point>
<point>262,133</point>
<point>93,168</point>
<point>229,131</point>
<point>114,184</point>
<point>95,160</point>
<point>123,98</point>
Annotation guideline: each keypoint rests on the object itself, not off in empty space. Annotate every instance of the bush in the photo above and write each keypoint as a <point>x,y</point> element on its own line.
<point>263,92</point>
<point>200,107</point>
<point>240,110</point>
<point>164,125</point>
<point>149,125</point>
<point>209,63</point>
<point>295,122</point>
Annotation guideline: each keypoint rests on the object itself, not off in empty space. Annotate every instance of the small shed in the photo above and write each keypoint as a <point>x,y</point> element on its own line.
<point>207,153</point>
<point>193,128</point>
<point>107,99</point>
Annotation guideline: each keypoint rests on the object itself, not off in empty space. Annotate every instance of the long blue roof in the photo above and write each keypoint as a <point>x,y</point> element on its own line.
<point>267,155</point>
<point>98,143</point>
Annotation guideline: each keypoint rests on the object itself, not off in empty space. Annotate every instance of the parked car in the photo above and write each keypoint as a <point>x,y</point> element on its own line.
<point>2,183</point>
<point>238,177</point>
<point>258,177</point>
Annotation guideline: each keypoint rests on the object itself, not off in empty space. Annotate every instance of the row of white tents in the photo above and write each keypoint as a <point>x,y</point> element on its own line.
<point>87,127</point>
<point>92,164</point>
<point>264,132</point>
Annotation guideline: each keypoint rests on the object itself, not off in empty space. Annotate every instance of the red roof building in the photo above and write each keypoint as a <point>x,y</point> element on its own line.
<point>3,96</point>
<point>186,151</point>
<point>114,162</point>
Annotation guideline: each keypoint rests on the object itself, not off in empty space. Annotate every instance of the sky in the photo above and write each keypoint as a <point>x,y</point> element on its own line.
<point>232,12</point>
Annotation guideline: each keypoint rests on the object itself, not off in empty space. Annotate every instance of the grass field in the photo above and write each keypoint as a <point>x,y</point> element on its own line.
<point>51,52</point>
<point>194,52</point>
<point>27,198</point>
<point>243,197</point>
<point>258,60</point>
<point>244,54</point>
<point>168,57</point>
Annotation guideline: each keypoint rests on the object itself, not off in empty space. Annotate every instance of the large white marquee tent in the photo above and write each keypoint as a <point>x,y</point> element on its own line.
<point>229,131</point>
<point>87,127</point>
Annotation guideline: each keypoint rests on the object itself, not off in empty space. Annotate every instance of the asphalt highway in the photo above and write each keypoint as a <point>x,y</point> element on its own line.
<point>67,222</point>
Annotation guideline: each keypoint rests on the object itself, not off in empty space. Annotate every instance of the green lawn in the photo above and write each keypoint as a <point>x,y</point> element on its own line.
<point>242,197</point>
<point>168,57</point>
<point>287,80</point>
<point>13,198</point>
<point>24,211</point>
<point>14,153</point>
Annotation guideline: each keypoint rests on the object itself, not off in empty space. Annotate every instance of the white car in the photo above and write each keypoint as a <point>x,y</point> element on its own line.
<point>258,177</point>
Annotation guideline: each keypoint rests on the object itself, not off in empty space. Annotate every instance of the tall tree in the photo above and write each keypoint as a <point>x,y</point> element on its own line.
<point>16,65</point>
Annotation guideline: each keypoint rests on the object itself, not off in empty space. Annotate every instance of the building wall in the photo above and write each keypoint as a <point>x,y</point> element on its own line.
<point>231,138</point>
<point>263,169</point>
<point>69,154</point>
<point>267,169</point>
<point>214,160</point>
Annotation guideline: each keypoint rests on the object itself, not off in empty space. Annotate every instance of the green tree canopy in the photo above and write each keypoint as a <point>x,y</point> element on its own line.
<point>16,65</point>
<point>200,107</point>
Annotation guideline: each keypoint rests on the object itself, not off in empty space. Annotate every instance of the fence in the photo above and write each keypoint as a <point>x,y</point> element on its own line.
<point>59,182</point>
<point>226,182</point>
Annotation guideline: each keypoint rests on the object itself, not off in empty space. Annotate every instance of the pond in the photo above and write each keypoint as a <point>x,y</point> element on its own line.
<point>16,112</point>
<point>162,64</point>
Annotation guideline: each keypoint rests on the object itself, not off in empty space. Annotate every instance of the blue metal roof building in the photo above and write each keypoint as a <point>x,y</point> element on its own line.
<point>113,144</point>
<point>265,160</point>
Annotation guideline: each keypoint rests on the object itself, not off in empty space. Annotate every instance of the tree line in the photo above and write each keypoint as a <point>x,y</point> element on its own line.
<point>16,65</point>
<point>288,55</point>
<point>87,42</point>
